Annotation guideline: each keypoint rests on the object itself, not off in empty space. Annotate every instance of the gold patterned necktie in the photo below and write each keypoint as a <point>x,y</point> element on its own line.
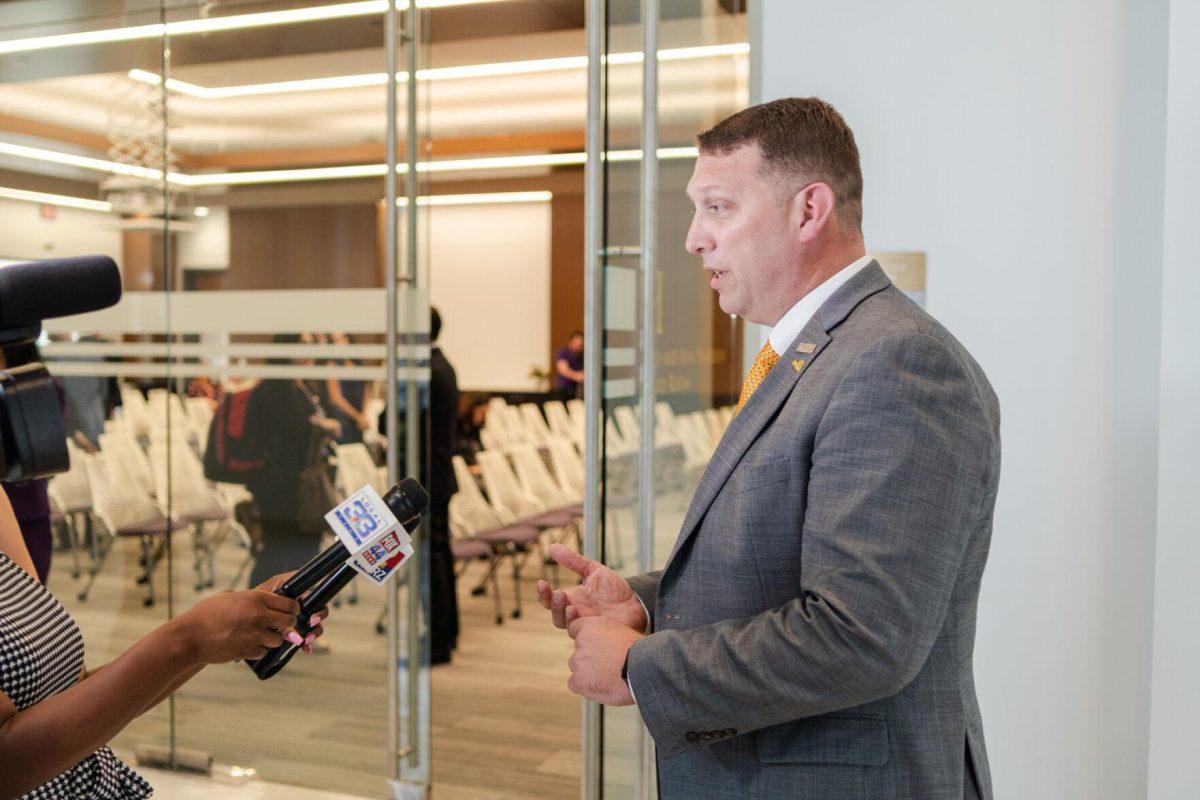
<point>767,358</point>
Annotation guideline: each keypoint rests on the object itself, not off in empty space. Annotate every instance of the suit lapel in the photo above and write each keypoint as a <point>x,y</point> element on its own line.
<point>762,406</point>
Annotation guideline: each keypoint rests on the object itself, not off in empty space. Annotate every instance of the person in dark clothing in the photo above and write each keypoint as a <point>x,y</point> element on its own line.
<point>348,399</point>
<point>472,415</point>
<point>292,428</point>
<point>568,368</point>
<point>440,446</point>
<point>29,499</point>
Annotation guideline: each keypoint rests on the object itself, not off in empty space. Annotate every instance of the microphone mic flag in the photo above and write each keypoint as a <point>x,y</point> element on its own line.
<point>372,540</point>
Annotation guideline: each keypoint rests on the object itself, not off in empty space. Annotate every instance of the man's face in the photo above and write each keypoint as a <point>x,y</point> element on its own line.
<point>576,344</point>
<point>741,231</point>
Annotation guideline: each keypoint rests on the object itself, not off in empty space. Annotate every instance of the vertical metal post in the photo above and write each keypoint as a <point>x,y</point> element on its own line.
<point>593,216</point>
<point>418,687</point>
<point>649,233</point>
<point>390,393</point>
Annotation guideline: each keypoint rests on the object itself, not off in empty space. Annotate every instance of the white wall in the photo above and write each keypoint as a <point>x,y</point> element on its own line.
<point>1175,693</point>
<point>491,283</point>
<point>1021,144</point>
<point>25,236</point>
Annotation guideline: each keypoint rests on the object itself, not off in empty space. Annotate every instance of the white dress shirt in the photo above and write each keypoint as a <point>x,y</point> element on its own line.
<point>791,323</point>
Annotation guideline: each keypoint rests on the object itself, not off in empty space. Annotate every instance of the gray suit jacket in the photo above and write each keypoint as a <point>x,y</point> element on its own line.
<point>812,632</point>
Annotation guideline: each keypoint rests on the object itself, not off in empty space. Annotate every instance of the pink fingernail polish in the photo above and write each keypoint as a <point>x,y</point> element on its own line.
<point>314,621</point>
<point>309,639</point>
<point>294,638</point>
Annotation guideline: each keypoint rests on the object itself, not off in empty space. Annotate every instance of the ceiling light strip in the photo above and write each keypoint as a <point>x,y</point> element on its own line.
<point>489,198</point>
<point>88,162</point>
<point>55,199</point>
<point>216,24</point>
<point>437,74</point>
<point>327,173</point>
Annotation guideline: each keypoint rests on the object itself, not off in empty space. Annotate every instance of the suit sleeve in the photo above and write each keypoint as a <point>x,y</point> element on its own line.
<point>645,586</point>
<point>901,461</point>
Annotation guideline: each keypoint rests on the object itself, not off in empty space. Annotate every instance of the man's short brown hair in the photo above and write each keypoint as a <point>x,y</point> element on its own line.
<point>804,139</point>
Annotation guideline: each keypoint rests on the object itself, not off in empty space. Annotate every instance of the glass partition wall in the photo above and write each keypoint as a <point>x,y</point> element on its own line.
<point>276,205</point>
<point>234,159</point>
<point>671,359</point>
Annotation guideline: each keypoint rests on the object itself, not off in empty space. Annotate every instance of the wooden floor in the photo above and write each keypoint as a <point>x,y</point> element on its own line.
<point>504,725</point>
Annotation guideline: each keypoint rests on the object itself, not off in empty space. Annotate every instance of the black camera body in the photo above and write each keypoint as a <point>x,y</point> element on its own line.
<point>33,440</point>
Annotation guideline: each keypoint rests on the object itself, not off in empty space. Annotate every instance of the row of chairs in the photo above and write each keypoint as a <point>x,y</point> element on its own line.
<point>146,493</point>
<point>522,506</point>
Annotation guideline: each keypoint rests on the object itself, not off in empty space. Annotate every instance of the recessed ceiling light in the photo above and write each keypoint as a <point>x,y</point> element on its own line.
<point>200,211</point>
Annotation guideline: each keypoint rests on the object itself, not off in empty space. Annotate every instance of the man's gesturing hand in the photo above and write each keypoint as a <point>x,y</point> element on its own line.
<point>603,593</point>
<point>601,646</point>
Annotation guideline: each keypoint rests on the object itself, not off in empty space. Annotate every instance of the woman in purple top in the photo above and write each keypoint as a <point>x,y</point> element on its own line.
<point>568,368</point>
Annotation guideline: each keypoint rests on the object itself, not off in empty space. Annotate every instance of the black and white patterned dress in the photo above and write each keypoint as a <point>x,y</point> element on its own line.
<point>41,654</point>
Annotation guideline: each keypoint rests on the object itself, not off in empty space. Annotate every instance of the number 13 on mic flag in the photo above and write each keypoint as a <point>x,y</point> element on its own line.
<point>376,540</point>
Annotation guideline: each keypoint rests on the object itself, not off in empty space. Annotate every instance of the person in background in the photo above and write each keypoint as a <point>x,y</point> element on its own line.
<point>347,399</point>
<point>443,429</point>
<point>472,416</point>
<point>29,499</point>
<point>292,427</point>
<point>89,400</point>
<point>204,386</point>
<point>568,368</point>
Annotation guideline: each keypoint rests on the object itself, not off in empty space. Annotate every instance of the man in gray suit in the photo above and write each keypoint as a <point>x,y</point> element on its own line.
<point>811,635</point>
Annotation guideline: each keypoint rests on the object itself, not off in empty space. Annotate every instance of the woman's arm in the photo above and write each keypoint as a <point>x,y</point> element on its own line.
<point>564,368</point>
<point>50,737</point>
<point>333,388</point>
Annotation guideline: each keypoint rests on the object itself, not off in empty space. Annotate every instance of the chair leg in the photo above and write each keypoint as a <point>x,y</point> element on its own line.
<point>496,588</point>
<point>102,551</point>
<point>516,569</point>
<point>148,550</point>
<point>72,520</point>
<point>480,588</point>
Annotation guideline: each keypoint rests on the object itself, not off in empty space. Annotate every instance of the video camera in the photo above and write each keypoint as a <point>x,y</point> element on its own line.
<point>33,440</point>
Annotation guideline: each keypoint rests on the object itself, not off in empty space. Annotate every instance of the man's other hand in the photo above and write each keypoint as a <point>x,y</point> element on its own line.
<point>601,646</point>
<point>603,593</point>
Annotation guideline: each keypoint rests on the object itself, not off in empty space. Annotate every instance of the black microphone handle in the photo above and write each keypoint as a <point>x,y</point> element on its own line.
<point>278,657</point>
<point>316,569</point>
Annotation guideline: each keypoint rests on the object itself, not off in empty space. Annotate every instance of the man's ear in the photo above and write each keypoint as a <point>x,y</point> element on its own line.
<point>811,210</point>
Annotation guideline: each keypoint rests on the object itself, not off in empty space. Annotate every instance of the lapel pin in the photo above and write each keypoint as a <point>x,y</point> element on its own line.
<point>798,364</point>
<point>805,347</point>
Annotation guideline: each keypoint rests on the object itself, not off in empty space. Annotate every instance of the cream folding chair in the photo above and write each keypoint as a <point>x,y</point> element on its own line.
<point>568,468</point>
<point>537,481</point>
<point>124,448</point>
<point>183,494</point>
<point>135,413</point>
<point>535,423</point>
<point>495,525</point>
<point>72,494</point>
<point>125,511</point>
<point>562,423</point>
<point>468,518</point>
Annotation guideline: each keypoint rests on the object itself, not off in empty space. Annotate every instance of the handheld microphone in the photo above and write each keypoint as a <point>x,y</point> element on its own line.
<point>334,568</point>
